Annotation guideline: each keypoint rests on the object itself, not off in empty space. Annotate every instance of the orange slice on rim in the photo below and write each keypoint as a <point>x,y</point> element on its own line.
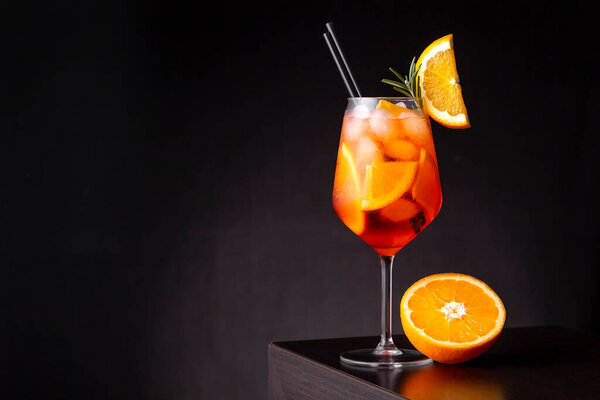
<point>440,86</point>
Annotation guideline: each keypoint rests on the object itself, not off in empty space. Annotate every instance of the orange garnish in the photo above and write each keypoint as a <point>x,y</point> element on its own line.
<point>440,86</point>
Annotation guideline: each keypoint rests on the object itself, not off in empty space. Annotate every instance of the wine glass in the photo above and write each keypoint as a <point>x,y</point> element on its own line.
<point>386,190</point>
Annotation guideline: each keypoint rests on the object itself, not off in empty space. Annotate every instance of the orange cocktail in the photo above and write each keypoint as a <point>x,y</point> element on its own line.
<point>387,186</point>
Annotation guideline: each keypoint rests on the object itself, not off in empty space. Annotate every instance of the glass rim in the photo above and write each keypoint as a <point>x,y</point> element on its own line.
<point>384,98</point>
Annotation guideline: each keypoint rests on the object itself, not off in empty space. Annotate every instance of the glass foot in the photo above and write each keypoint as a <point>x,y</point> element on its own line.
<point>385,358</point>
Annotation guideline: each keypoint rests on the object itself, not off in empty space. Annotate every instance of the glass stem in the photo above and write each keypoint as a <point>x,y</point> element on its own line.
<point>386,344</point>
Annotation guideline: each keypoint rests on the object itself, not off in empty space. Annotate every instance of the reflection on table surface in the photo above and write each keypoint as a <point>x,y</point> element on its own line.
<point>532,362</point>
<point>433,382</point>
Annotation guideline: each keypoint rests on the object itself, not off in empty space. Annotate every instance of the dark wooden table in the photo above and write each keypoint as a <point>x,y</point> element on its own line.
<point>525,363</point>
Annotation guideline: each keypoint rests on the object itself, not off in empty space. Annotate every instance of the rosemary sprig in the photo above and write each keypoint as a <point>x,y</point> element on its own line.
<point>409,84</point>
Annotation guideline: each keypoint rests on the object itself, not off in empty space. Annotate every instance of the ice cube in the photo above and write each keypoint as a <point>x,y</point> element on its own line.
<point>381,113</point>
<point>360,111</point>
<point>417,129</point>
<point>354,128</point>
<point>367,153</point>
<point>383,125</point>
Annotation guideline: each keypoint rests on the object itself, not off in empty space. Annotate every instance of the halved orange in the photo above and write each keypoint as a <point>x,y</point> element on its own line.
<point>347,194</point>
<point>451,317</point>
<point>385,182</point>
<point>440,86</point>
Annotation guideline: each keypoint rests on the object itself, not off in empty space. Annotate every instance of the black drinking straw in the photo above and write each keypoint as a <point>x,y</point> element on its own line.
<point>331,34</point>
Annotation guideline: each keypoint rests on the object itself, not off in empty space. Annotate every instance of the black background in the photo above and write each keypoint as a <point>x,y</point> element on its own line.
<point>168,170</point>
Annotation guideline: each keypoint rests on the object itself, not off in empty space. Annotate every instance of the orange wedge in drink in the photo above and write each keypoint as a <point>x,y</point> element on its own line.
<point>440,87</point>
<point>426,190</point>
<point>347,192</point>
<point>402,150</point>
<point>385,182</point>
<point>451,317</point>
